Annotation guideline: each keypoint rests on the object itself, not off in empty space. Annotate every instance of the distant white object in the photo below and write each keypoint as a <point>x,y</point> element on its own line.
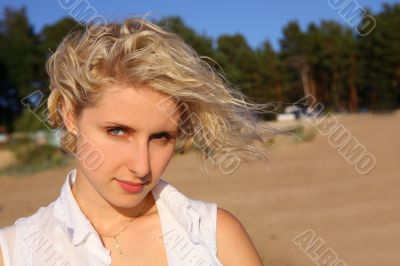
<point>4,138</point>
<point>286,117</point>
<point>292,109</point>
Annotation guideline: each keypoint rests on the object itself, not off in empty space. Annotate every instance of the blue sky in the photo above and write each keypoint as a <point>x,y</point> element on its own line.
<point>257,20</point>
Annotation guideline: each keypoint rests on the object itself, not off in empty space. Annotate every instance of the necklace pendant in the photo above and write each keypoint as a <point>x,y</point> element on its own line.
<point>116,244</point>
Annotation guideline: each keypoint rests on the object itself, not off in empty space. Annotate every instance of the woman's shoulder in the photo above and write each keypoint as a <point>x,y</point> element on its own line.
<point>234,246</point>
<point>188,223</point>
<point>217,228</point>
<point>26,224</point>
<point>7,240</point>
<point>1,257</point>
<point>42,214</point>
<point>26,234</point>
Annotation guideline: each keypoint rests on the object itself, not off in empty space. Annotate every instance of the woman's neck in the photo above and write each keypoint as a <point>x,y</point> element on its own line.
<point>105,217</point>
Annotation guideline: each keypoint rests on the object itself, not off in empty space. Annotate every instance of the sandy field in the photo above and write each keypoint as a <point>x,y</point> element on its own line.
<point>306,186</point>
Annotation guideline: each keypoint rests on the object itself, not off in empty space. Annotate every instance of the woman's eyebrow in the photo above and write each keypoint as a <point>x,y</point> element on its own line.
<point>134,130</point>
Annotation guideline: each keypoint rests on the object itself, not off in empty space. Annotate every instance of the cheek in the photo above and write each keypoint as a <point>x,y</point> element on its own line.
<point>114,154</point>
<point>94,142</point>
<point>160,156</point>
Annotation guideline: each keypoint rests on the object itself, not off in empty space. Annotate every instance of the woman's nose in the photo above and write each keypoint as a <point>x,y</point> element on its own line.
<point>138,160</point>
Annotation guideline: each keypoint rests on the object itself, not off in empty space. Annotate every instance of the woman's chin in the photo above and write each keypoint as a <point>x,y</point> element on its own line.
<point>126,201</point>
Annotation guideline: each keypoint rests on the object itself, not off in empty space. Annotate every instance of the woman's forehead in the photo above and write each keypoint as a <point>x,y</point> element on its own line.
<point>139,97</point>
<point>125,104</point>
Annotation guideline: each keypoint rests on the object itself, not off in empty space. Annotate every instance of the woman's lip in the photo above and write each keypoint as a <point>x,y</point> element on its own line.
<point>130,186</point>
<point>131,183</point>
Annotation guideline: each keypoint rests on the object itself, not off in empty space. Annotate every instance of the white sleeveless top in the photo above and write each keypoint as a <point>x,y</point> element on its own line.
<point>60,234</point>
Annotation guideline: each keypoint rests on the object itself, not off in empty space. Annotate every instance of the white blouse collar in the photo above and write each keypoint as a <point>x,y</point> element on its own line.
<point>167,198</point>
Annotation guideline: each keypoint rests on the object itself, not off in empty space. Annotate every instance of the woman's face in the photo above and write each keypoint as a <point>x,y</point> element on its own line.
<point>130,138</point>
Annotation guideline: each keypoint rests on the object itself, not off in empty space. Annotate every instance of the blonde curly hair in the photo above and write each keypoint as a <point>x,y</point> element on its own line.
<point>215,115</point>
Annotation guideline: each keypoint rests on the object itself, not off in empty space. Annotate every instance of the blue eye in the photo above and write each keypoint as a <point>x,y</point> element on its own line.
<point>161,136</point>
<point>114,131</point>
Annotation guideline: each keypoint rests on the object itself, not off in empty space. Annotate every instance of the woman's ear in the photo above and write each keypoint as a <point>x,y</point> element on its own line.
<point>69,120</point>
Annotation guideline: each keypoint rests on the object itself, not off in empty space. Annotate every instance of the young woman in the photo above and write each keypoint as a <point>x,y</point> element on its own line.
<point>125,97</point>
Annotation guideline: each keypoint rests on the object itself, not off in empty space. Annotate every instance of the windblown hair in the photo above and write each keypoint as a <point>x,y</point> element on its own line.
<point>215,116</point>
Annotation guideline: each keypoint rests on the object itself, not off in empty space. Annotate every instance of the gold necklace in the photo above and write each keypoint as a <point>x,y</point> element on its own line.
<point>117,244</point>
